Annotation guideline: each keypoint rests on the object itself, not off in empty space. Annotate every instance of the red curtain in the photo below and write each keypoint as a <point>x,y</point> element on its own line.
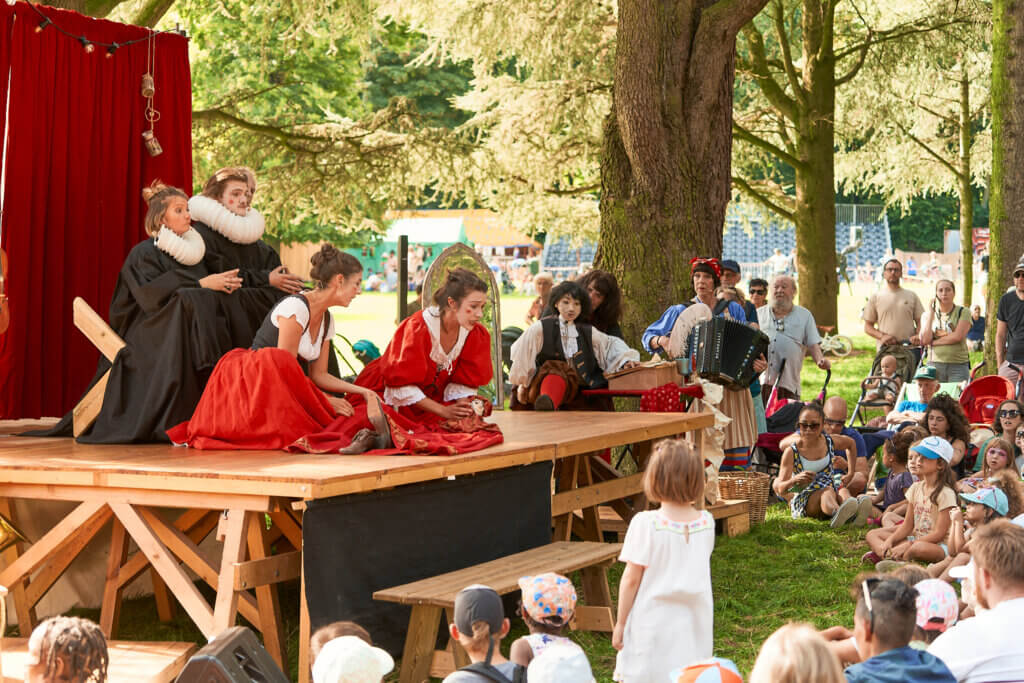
<point>76,165</point>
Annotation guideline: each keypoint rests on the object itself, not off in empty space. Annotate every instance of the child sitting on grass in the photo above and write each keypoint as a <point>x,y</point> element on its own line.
<point>922,534</point>
<point>665,603</point>
<point>1001,499</point>
<point>67,650</point>
<point>895,454</point>
<point>998,457</point>
<point>937,610</point>
<point>479,627</point>
<point>887,387</point>
<point>548,603</point>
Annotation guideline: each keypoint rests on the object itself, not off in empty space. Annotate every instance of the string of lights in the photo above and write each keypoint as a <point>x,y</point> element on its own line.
<point>91,45</point>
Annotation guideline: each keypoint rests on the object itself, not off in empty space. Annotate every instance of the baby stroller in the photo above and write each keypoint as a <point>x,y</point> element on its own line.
<point>781,416</point>
<point>981,398</point>
<point>906,366</point>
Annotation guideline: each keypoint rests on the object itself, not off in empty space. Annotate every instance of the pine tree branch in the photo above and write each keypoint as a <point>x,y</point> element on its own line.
<point>761,74</point>
<point>761,199</point>
<point>747,136</point>
<point>787,55</point>
<point>895,33</point>
<point>827,48</point>
<point>857,65</point>
<point>927,148</point>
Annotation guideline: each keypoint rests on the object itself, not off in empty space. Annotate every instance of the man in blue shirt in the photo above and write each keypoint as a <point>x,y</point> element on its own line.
<point>976,335</point>
<point>882,627</point>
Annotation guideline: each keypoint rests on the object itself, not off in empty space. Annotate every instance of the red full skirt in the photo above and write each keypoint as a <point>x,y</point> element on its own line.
<point>259,400</point>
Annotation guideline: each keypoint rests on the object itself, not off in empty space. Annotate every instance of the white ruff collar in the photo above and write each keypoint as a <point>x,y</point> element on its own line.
<point>239,229</point>
<point>187,249</point>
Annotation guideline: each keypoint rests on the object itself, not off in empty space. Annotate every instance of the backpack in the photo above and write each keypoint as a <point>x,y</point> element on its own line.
<point>490,672</point>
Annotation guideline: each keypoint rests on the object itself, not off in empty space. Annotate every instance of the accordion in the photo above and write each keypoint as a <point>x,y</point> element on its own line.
<point>724,351</point>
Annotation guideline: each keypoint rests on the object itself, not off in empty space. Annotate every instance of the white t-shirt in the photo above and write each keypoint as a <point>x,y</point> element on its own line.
<point>798,332</point>
<point>987,648</point>
<point>309,349</point>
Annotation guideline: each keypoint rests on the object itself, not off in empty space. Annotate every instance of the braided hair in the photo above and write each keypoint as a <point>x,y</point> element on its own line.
<point>78,643</point>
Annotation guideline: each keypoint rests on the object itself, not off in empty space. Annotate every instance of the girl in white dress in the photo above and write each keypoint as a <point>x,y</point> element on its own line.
<point>666,615</point>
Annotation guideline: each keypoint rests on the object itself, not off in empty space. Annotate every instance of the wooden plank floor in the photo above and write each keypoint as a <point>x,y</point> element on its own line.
<point>130,662</point>
<point>529,437</point>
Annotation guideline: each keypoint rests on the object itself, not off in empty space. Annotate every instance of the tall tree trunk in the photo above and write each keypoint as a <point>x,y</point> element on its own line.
<point>1006,206</point>
<point>815,215</point>
<point>815,218</point>
<point>666,157</point>
<point>964,191</point>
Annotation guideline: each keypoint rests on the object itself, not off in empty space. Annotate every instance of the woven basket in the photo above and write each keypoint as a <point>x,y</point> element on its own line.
<point>751,486</point>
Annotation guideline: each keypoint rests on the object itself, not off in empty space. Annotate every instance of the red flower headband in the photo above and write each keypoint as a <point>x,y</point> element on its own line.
<point>710,262</point>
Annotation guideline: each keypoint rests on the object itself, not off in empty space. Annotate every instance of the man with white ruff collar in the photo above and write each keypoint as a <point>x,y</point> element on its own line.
<point>233,231</point>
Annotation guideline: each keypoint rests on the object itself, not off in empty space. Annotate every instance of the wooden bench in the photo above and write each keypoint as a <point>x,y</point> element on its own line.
<point>734,514</point>
<point>436,595</point>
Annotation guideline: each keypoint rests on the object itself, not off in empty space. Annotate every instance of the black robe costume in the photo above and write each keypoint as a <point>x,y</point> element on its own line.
<point>254,262</point>
<point>174,331</point>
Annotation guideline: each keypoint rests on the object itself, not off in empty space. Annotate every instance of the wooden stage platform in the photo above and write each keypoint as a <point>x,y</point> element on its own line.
<point>232,491</point>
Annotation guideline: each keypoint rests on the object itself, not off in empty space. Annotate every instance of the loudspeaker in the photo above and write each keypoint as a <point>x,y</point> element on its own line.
<point>235,656</point>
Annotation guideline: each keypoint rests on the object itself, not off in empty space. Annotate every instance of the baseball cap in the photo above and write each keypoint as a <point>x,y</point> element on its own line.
<point>714,670</point>
<point>933,448</point>
<point>560,663</point>
<point>925,372</point>
<point>353,660</point>
<point>937,605</point>
<point>1018,268</point>
<point>992,497</point>
<point>964,571</point>
<point>478,603</point>
<point>548,596</point>
<point>729,264</point>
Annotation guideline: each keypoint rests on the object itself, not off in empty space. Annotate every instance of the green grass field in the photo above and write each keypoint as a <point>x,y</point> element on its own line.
<point>783,570</point>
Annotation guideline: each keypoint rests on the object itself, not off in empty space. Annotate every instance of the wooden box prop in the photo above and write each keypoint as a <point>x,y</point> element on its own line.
<point>460,255</point>
<point>645,376</point>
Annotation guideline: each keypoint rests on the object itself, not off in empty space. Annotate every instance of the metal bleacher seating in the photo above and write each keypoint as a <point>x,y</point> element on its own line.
<point>751,241</point>
<point>562,258</point>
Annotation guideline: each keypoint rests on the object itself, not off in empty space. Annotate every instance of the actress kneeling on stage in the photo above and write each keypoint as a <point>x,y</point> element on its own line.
<point>270,395</point>
<point>429,376</point>
<point>556,357</point>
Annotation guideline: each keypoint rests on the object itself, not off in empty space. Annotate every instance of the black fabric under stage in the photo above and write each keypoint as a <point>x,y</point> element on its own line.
<point>355,545</point>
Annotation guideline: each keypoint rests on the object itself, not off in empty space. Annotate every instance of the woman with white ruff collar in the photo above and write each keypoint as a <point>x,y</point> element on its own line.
<point>172,324</point>
<point>233,232</point>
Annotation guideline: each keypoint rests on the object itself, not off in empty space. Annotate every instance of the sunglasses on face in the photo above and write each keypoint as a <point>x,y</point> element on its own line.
<point>1019,436</point>
<point>1009,413</point>
<point>759,292</point>
<point>866,588</point>
<point>808,425</point>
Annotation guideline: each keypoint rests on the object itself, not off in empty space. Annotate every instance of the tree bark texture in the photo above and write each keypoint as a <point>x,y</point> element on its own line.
<point>1006,207</point>
<point>666,157</point>
<point>964,191</point>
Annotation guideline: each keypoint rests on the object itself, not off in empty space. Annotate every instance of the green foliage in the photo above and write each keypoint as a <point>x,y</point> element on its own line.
<point>392,71</point>
<point>923,226</point>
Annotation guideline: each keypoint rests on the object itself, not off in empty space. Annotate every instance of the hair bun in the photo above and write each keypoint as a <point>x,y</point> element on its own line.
<point>149,192</point>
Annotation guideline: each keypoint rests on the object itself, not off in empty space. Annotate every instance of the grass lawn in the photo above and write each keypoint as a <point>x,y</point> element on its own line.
<point>782,570</point>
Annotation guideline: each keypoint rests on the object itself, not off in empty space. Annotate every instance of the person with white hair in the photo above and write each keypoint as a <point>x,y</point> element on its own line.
<point>792,332</point>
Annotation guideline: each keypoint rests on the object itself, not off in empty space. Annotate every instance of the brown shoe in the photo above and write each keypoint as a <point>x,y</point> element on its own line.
<point>364,440</point>
<point>375,413</point>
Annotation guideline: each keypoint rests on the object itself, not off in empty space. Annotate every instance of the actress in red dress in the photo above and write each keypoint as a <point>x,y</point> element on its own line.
<point>270,395</point>
<point>428,377</point>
